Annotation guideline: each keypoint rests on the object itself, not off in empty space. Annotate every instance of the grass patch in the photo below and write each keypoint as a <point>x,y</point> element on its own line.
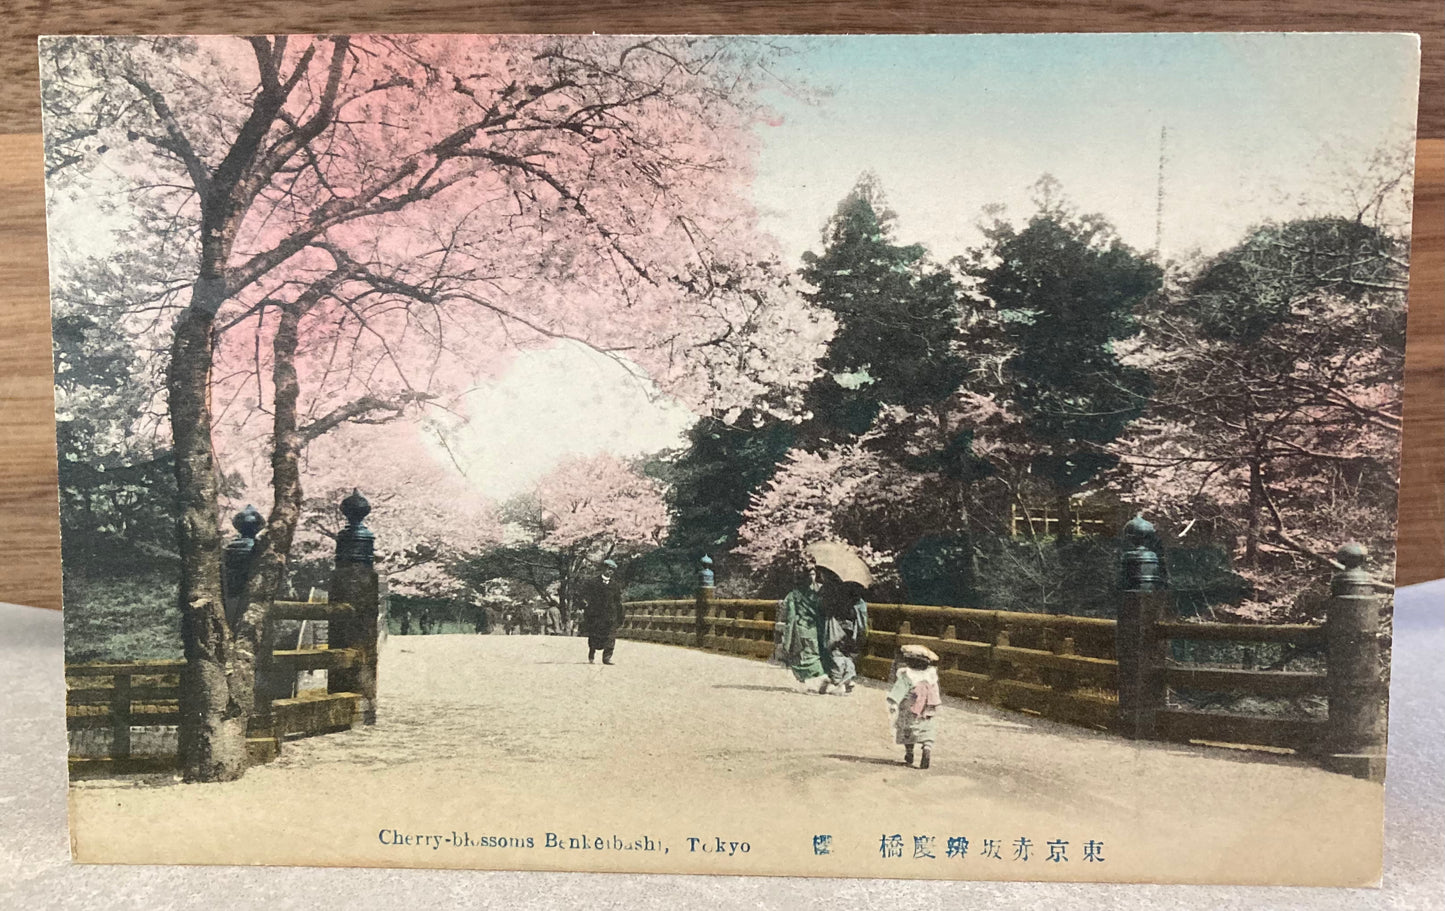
<point>130,618</point>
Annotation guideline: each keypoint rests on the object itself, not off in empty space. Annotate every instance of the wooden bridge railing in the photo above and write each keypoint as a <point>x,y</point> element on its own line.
<point>115,697</point>
<point>981,663</point>
<point>1152,676</point>
<point>1119,674</point>
<point>120,696</point>
<point>1056,666</point>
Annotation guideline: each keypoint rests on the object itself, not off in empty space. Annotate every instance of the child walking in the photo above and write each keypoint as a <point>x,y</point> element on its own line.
<point>913,702</point>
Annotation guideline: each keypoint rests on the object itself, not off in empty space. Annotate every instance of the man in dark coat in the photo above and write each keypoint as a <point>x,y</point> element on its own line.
<point>602,612</point>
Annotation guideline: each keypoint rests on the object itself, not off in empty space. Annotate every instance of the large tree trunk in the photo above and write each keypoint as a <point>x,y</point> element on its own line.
<point>213,724</point>
<point>218,683</point>
<point>215,692</point>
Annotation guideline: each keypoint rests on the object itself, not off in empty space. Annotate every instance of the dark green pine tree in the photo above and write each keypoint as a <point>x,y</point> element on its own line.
<point>711,482</point>
<point>898,343</point>
<point>114,509</point>
<point>897,319</point>
<point>1068,288</point>
<point>895,344</point>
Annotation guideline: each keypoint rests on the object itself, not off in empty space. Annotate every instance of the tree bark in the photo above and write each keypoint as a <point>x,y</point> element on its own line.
<point>213,725</point>
<point>218,682</point>
<point>273,546</point>
<point>1256,505</point>
<point>215,699</point>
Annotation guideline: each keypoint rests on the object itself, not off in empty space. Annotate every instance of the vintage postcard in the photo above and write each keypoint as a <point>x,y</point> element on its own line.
<point>948,457</point>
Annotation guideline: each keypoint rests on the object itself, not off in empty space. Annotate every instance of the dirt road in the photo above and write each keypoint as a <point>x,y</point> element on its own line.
<point>673,760</point>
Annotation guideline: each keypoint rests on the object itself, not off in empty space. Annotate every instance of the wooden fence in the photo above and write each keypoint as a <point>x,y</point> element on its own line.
<point>1120,675</point>
<point>116,698</point>
<point>133,708</point>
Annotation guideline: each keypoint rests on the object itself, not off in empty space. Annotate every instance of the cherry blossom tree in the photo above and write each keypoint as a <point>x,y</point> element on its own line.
<point>600,504</point>
<point>527,189</point>
<point>1275,424</point>
<point>892,364</point>
<point>844,493</point>
<point>425,517</point>
<point>587,509</point>
<point>596,508</point>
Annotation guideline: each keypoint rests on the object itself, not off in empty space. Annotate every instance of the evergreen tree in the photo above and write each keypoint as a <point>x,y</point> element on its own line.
<point>715,477</point>
<point>895,344</point>
<point>1068,287</point>
<point>897,316</point>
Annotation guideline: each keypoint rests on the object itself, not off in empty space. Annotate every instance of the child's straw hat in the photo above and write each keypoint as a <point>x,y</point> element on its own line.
<point>920,652</point>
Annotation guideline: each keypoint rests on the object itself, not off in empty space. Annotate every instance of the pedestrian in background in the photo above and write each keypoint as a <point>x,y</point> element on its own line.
<point>602,612</point>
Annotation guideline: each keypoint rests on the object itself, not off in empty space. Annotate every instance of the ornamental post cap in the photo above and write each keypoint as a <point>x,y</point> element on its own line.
<point>706,560</point>
<point>1352,555</point>
<point>248,522</point>
<point>355,507</point>
<point>1138,529</point>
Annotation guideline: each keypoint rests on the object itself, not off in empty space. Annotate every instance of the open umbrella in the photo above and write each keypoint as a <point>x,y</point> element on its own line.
<point>842,560</point>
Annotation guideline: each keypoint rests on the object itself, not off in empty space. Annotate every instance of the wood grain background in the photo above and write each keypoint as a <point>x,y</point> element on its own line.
<point>29,537</point>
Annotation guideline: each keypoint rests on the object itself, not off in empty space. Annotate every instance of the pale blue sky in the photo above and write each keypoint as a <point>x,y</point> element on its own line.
<point>1257,124</point>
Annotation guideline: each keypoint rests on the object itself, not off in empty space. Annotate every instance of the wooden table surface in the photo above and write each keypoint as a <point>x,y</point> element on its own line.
<point>29,535</point>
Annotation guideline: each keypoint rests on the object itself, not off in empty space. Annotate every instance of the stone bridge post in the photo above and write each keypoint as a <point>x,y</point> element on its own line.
<point>703,599</point>
<point>1138,648</point>
<point>236,559</point>
<point>236,562</point>
<point>1355,738</point>
<point>354,581</point>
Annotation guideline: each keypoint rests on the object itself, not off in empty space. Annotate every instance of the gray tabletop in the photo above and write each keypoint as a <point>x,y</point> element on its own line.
<point>36,873</point>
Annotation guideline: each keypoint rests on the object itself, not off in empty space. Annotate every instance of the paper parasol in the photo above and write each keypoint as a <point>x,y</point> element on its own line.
<point>842,560</point>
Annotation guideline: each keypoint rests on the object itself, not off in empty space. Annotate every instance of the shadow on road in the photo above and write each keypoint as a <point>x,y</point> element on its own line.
<point>866,760</point>
<point>760,688</point>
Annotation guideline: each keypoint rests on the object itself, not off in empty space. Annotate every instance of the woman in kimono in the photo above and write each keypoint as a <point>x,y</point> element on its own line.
<point>842,630</point>
<point>799,618</point>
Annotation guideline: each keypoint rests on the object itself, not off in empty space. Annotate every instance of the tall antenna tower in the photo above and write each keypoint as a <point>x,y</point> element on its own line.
<point>1159,198</point>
